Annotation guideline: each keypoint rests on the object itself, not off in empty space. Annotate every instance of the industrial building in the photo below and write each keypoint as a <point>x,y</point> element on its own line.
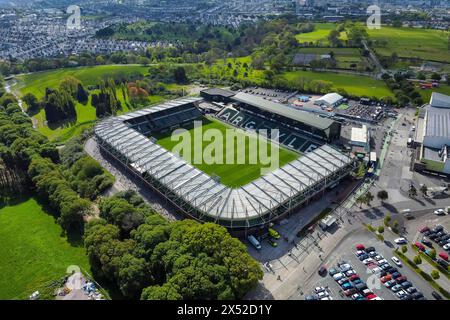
<point>330,100</point>
<point>432,136</point>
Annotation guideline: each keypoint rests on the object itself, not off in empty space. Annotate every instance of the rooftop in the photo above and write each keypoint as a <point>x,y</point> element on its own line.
<point>330,98</point>
<point>439,100</point>
<point>219,92</point>
<point>359,134</point>
<point>283,110</point>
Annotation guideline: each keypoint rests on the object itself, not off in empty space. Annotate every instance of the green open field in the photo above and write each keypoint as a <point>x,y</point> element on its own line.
<point>320,34</point>
<point>426,93</point>
<point>32,251</point>
<point>425,44</point>
<point>36,83</point>
<point>233,175</point>
<point>353,84</point>
<point>344,56</point>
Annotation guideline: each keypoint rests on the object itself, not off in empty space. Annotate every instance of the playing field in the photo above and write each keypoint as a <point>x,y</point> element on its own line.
<point>32,251</point>
<point>231,174</point>
<point>424,44</point>
<point>353,84</point>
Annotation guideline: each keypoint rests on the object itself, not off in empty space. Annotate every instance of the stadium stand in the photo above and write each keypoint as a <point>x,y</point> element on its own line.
<point>204,198</point>
<point>286,136</point>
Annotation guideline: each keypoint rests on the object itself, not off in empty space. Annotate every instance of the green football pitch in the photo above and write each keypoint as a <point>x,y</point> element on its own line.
<point>231,173</point>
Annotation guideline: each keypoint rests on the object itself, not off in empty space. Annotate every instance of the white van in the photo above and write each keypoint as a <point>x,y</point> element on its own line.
<point>254,242</point>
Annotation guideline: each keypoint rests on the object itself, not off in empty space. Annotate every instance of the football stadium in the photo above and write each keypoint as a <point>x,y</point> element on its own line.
<point>237,196</point>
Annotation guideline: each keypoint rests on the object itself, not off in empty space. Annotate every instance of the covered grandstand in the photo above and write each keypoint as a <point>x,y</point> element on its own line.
<point>202,197</point>
<point>317,127</point>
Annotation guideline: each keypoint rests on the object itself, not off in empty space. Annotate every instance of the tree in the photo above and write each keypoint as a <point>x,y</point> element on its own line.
<point>380,229</point>
<point>382,195</point>
<point>435,274</point>
<point>369,198</point>
<point>179,75</point>
<point>404,249</point>
<point>421,76</point>
<point>436,76</point>
<point>432,253</point>
<point>387,220</point>
<point>31,101</point>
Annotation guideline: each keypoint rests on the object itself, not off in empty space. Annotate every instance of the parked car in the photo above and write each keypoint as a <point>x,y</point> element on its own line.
<point>386,278</point>
<point>406,284</point>
<point>367,261</point>
<point>419,246</point>
<point>333,271</point>
<point>360,253</point>
<point>400,241</point>
<point>350,292</point>
<point>373,254</point>
<point>417,295</point>
<point>366,292</point>
<point>345,267</point>
<point>357,296</point>
<point>444,264</point>
<point>370,249</point>
<point>347,286</point>
<point>396,275</point>
<point>385,266</point>
<point>396,261</point>
<point>446,246</point>
<point>396,288</point>
<point>411,290</point>
<point>350,272</point>
<point>401,279</point>
<point>382,261</point>
<point>311,297</point>
<point>424,229</point>
<point>439,212</point>
<point>436,295</point>
<point>353,277</point>
<point>360,247</point>
<point>426,241</point>
<point>342,281</point>
<point>363,257</point>
<point>338,276</point>
<point>390,283</point>
<point>444,256</point>
<point>319,289</point>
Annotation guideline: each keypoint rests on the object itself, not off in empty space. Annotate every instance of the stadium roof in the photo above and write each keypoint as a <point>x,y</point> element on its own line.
<point>439,100</point>
<point>330,98</point>
<point>283,110</point>
<point>209,196</point>
<point>219,92</point>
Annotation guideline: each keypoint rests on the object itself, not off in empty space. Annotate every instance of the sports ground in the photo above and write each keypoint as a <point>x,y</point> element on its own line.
<point>234,174</point>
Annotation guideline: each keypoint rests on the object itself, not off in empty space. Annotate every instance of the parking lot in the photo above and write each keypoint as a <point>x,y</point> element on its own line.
<point>275,95</point>
<point>345,253</point>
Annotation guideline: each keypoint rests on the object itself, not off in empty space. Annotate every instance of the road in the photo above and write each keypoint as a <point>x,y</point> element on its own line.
<point>374,58</point>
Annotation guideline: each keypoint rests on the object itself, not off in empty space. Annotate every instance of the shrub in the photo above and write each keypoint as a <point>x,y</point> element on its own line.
<point>404,249</point>
<point>380,229</point>
<point>435,274</point>
<point>417,259</point>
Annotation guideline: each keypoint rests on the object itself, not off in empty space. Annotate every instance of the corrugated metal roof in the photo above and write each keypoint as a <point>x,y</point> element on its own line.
<point>439,100</point>
<point>283,110</point>
<point>438,122</point>
<point>209,196</point>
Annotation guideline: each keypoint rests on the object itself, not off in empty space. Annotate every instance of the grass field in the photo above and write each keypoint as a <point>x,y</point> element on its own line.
<point>344,56</point>
<point>32,250</point>
<point>353,84</point>
<point>425,44</point>
<point>320,34</point>
<point>232,175</point>
<point>426,93</point>
<point>36,83</point>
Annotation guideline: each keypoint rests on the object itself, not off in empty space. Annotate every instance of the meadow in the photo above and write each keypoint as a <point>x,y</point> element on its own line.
<point>354,84</point>
<point>345,57</point>
<point>233,175</point>
<point>33,252</point>
<point>424,44</point>
<point>36,83</point>
<point>320,34</point>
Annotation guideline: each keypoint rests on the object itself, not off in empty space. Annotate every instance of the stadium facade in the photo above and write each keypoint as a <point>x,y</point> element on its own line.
<point>127,139</point>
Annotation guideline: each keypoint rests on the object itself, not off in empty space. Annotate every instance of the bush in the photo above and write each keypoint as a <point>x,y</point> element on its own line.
<point>380,229</point>
<point>404,249</point>
<point>371,228</point>
<point>380,237</point>
<point>435,274</point>
<point>417,259</point>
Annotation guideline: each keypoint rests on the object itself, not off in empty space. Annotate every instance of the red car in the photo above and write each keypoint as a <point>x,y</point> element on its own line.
<point>371,296</point>
<point>353,277</point>
<point>350,292</point>
<point>401,279</point>
<point>360,247</point>
<point>420,246</point>
<point>424,229</point>
<point>443,256</point>
<point>386,278</point>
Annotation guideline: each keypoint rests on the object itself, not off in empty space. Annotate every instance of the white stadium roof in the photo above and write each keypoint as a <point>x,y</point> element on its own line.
<point>205,194</point>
